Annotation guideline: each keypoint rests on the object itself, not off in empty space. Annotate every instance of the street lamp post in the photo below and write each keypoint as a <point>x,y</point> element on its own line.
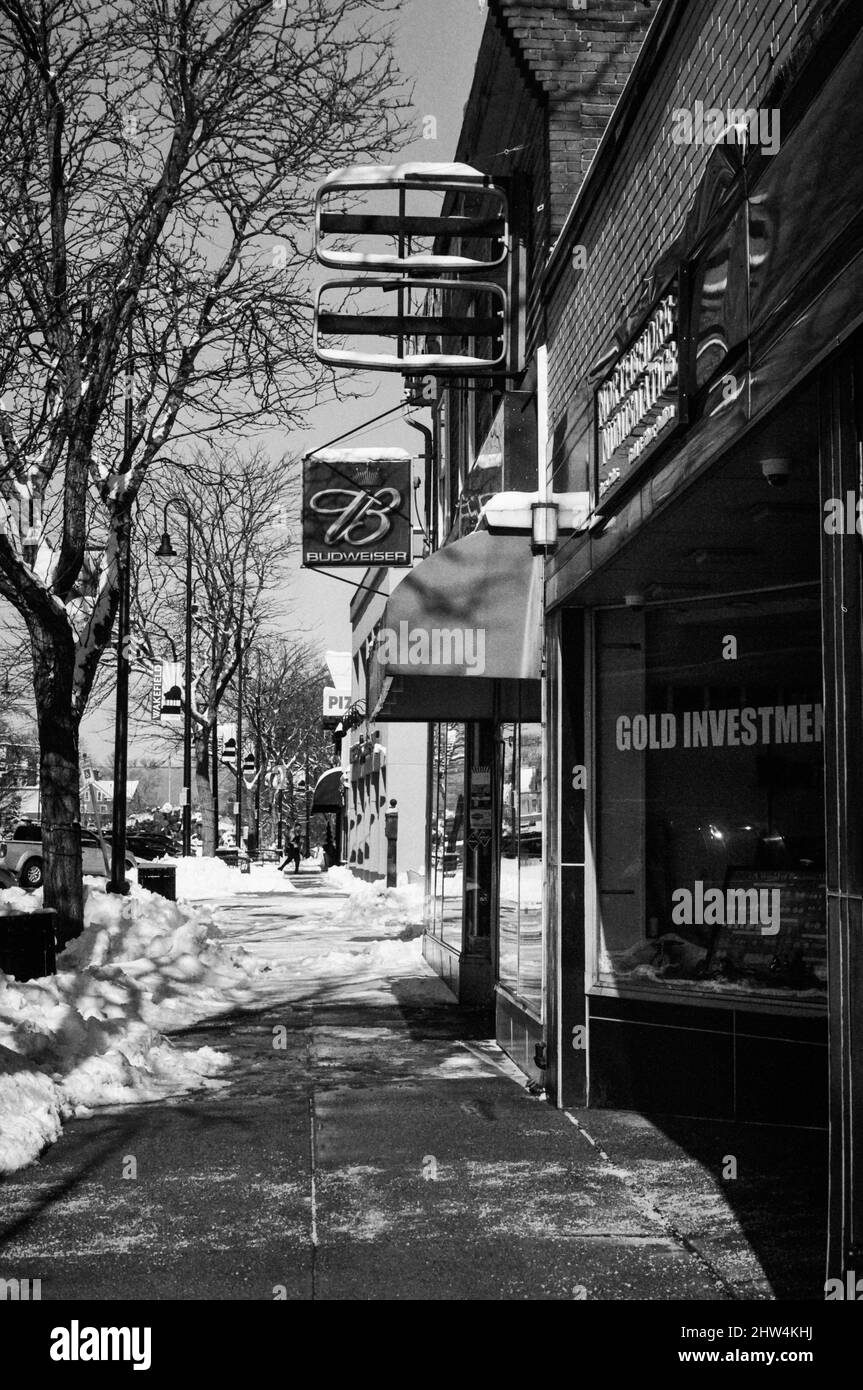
<point>215,751</point>
<point>306,795</point>
<point>166,551</point>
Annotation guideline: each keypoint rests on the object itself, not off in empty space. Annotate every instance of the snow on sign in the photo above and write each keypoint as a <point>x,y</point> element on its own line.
<point>399,215</point>
<point>424,223</point>
<point>411,325</point>
<point>357,508</point>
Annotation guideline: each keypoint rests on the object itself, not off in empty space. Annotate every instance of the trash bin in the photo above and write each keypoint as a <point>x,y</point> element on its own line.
<point>27,944</point>
<point>245,864</point>
<point>159,878</point>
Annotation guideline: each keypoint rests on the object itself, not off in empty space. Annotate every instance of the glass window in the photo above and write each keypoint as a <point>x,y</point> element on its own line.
<point>447,833</point>
<point>710,805</point>
<point>520,952</point>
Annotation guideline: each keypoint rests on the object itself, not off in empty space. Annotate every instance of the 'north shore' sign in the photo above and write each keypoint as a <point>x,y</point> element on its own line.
<point>357,508</point>
<point>641,401</point>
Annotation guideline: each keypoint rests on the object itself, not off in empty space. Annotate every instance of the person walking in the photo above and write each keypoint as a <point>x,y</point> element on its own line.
<point>292,849</point>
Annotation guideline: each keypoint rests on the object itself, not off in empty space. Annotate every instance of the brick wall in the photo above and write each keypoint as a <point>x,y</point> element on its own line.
<point>580,60</point>
<point>546,82</point>
<point>720,52</point>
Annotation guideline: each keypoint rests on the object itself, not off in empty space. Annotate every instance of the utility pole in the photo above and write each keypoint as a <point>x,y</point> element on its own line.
<point>214,775</point>
<point>215,780</point>
<point>119,883</point>
<point>166,551</point>
<point>238,808</point>
<point>187,713</point>
<point>258,752</point>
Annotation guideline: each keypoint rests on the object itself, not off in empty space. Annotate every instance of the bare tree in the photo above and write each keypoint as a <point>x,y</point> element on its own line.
<point>18,748</point>
<point>155,165</point>
<point>283,714</point>
<point>240,509</point>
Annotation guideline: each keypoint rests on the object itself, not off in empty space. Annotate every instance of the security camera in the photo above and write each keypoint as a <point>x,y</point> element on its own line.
<point>776,471</point>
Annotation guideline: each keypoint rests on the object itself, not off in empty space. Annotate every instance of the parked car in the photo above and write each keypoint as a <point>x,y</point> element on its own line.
<point>21,855</point>
<point>148,844</point>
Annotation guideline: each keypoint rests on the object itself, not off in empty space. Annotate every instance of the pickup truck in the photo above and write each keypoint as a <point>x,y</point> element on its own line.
<point>21,855</point>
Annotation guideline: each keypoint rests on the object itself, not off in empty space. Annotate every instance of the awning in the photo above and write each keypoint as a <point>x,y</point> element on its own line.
<point>328,791</point>
<point>461,636</point>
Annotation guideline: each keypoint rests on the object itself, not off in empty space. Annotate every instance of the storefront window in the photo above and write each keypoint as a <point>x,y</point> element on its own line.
<point>710,804</point>
<point>447,833</point>
<point>521,947</point>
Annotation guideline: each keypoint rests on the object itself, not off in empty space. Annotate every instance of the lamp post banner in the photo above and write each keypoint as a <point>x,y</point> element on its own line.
<point>357,510</point>
<point>156,702</point>
<point>171,694</point>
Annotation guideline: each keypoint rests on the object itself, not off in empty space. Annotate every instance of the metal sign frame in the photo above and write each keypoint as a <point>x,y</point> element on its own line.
<point>446,179</point>
<point>403,326</point>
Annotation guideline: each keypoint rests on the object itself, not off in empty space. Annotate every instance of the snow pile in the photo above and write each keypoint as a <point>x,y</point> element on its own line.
<point>15,900</point>
<point>387,928</point>
<point>90,1035</point>
<point>379,960</point>
<point>341,879</point>
<point>211,878</point>
<point>374,904</point>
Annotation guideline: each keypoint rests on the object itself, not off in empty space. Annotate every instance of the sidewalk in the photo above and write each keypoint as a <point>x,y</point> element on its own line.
<point>379,1147</point>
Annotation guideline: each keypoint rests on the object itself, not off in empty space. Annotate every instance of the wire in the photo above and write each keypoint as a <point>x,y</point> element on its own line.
<point>338,577</point>
<point>358,429</point>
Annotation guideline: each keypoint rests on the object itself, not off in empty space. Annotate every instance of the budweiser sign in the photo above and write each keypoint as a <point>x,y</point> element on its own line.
<point>356,508</point>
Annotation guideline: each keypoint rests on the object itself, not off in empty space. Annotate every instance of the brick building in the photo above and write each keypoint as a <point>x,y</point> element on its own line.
<point>703,631</point>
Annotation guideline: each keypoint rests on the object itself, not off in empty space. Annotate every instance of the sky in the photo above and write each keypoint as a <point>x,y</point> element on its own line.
<point>436,46</point>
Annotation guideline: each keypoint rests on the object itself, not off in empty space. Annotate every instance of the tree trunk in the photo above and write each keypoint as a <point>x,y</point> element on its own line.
<point>59,782</point>
<point>205,791</point>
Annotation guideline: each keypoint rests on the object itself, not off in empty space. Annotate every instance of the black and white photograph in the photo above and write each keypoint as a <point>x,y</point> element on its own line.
<point>431,670</point>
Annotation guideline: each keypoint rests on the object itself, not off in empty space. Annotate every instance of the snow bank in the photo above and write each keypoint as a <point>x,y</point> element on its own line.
<point>90,1035</point>
<point>377,960</point>
<point>211,878</point>
<point>390,923</point>
<point>14,900</point>
<point>375,904</point>
<point>342,880</point>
